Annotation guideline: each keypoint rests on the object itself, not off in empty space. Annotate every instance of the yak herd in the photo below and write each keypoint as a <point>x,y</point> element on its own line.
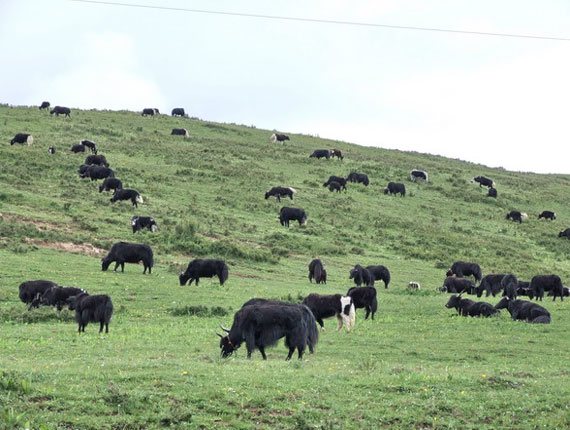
<point>260,322</point>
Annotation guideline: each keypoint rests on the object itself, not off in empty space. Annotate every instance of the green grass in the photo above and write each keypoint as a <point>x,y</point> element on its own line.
<point>415,366</point>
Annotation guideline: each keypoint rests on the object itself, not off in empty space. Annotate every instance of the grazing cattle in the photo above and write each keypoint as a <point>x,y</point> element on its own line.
<point>30,289</point>
<point>317,272</point>
<point>147,111</point>
<point>418,174</point>
<point>110,184</point>
<point>565,292</point>
<point>156,111</point>
<point>97,172</point>
<point>141,222</point>
<point>22,138</point>
<point>125,252</point>
<point>320,153</point>
<point>337,153</point>
<point>51,150</point>
<point>547,215</point>
<point>359,178</point>
<point>327,306</point>
<point>362,276</point>
<point>467,307</point>
<point>96,309</point>
<point>492,193</point>
<point>379,273</point>
<point>335,186</point>
<point>82,169</point>
<point>127,194</point>
<point>262,325</point>
<point>340,180</point>
<point>56,296</point>
<point>279,138</point>
<point>97,160</point>
<point>491,284</point>
<point>91,145</point>
<point>287,214</point>
<point>565,233</point>
<point>516,216</point>
<point>44,105</point>
<point>178,112</point>
<point>180,132</point>
<point>462,269</point>
<point>458,285</point>
<point>279,192</point>
<point>413,286</point>
<point>523,289</point>
<point>525,311</point>
<point>61,110</point>
<point>541,283</point>
<point>395,188</point>
<point>510,286</point>
<point>364,298</point>
<point>78,147</point>
<point>204,268</point>
<point>484,181</point>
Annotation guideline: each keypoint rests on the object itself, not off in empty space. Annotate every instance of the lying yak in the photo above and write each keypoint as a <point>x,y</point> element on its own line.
<point>525,311</point>
<point>467,307</point>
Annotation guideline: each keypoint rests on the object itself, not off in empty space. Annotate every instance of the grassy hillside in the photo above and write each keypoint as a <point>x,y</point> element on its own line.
<point>413,367</point>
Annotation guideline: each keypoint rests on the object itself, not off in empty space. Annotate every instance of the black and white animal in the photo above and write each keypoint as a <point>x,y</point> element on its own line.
<point>492,193</point>
<point>317,272</point>
<point>380,273</point>
<point>547,215</point>
<point>56,296</point>
<point>418,174</point>
<point>337,153</point>
<point>361,276</point>
<point>96,309</point>
<point>96,172</point>
<point>22,138</point>
<point>335,186</point>
<point>96,160</point>
<point>462,269</point>
<point>395,188</point>
<point>141,222</point>
<point>262,325</point>
<point>469,308</point>
<point>279,138</point>
<point>565,292</point>
<point>279,192</point>
<point>525,311</point>
<point>458,285</point>
<point>413,286</point>
<point>484,181</point>
<point>541,283</point>
<point>339,179</point>
<point>156,111</point>
<point>110,184</point>
<point>91,145</point>
<point>178,112</point>
<point>565,233</point>
<point>125,252</point>
<point>320,153</point>
<point>180,132</point>
<point>510,286</point>
<point>127,194</point>
<point>204,268</point>
<point>364,298</point>
<point>287,214</point>
<point>61,110</point>
<point>516,216</point>
<point>359,178</point>
<point>491,284</point>
<point>78,147</point>
<point>326,306</point>
<point>44,105</point>
<point>30,289</point>
<point>148,111</point>
<point>51,150</point>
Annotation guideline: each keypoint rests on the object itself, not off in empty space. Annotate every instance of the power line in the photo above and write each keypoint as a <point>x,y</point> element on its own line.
<point>326,21</point>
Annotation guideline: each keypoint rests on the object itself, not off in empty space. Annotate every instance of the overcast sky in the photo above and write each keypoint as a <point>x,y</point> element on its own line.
<point>493,100</point>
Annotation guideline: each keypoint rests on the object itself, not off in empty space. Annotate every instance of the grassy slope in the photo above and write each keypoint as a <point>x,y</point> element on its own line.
<point>413,367</point>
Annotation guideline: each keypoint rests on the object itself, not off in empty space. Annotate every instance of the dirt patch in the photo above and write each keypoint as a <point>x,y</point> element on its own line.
<point>40,225</point>
<point>242,275</point>
<point>75,248</point>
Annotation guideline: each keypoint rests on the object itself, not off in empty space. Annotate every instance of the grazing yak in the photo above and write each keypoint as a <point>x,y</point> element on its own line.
<point>91,145</point>
<point>469,308</point>
<point>262,325</point>
<point>565,292</point>
<point>96,309</point>
<point>326,306</point>
<point>148,111</point>
<point>380,273</point>
<point>547,215</point>
<point>484,181</point>
<point>61,110</point>
<point>462,269</point>
<point>178,112</point>
<point>22,138</point>
<point>339,179</point>
<point>525,311</point>
<point>30,289</point>
<point>121,194</point>
<point>78,147</point>
<point>516,216</point>
<point>523,289</point>
<point>279,138</point>
<point>492,193</point>
<point>51,150</point>
<point>565,233</point>
<point>110,184</point>
<point>335,186</point>
<point>204,268</point>
<point>320,153</point>
<point>359,178</point>
<point>491,284</point>
<point>362,276</point>
<point>317,272</point>
<point>141,222</point>
<point>510,286</point>
<point>337,153</point>
<point>56,296</point>
<point>279,192</point>
<point>287,214</point>
<point>125,252</point>
<point>97,172</point>
<point>541,283</point>
<point>395,188</point>
<point>418,174</point>
<point>458,285</point>
<point>44,105</point>
<point>180,132</point>
<point>364,298</point>
<point>96,160</point>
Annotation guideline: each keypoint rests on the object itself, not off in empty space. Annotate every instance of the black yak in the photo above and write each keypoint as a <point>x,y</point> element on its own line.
<point>78,147</point>
<point>395,188</point>
<point>359,178</point>
<point>335,186</point>
<point>44,105</point>
<point>565,233</point>
<point>547,215</point>
<point>337,153</point>
<point>462,269</point>
<point>141,222</point>
<point>204,268</point>
<point>91,145</point>
<point>510,286</point>
<point>97,308</point>
<point>541,283</point>
<point>326,306</point>
<point>125,252</point>
<point>30,289</point>
<point>110,184</point>
<point>492,193</point>
<point>458,285</point>
<point>178,112</point>
<point>56,296</point>
<point>279,138</point>
<point>467,307</point>
<point>364,297</point>
<point>317,272</point>
<point>418,174</point>
<point>287,214</point>
<point>525,311</point>
<point>22,138</point>
<point>148,111</point>
<point>491,284</point>
<point>339,179</point>
<point>180,132</point>
<point>61,110</point>
<point>361,276</point>
<point>380,273</point>
<point>320,153</point>
<point>121,194</point>
<point>97,160</point>
<point>516,216</point>
<point>97,172</point>
<point>484,181</point>
<point>279,192</point>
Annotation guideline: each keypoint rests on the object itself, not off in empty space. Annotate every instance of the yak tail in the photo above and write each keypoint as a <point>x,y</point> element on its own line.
<point>225,274</point>
<point>108,311</point>
<point>30,139</point>
<point>318,273</point>
<point>312,333</point>
<point>139,199</point>
<point>493,185</point>
<point>293,190</point>
<point>351,318</point>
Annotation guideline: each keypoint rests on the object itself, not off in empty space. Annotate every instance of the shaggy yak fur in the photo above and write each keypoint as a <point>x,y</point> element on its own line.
<point>200,268</point>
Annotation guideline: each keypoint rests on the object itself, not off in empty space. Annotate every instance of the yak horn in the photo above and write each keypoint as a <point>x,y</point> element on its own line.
<point>220,335</point>
<point>224,329</point>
